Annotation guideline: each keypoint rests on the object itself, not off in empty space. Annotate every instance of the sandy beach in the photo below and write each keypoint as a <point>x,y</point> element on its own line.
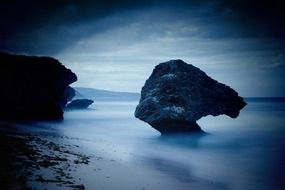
<point>38,160</point>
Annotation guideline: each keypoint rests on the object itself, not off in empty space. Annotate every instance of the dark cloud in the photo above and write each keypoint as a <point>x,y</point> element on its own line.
<point>242,18</point>
<point>47,27</point>
<point>264,17</point>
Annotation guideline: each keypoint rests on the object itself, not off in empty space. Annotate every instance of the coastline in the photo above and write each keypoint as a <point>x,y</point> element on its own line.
<point>30,160</point>
<point>105,148</point>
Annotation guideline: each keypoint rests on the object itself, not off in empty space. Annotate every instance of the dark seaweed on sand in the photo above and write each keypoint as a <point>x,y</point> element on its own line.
<point>22,155</point>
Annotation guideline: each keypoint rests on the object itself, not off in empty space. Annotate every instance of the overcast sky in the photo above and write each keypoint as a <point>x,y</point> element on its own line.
<point>115,45</point>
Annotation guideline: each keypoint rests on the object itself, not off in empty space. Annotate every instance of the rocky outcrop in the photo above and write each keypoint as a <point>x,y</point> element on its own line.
<point>79,104</point>
<point>33,88</point>
<point>68,94</point>
<point>178,94</point>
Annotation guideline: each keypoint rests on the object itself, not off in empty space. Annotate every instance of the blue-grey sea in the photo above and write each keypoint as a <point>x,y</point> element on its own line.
<point>247,153</point>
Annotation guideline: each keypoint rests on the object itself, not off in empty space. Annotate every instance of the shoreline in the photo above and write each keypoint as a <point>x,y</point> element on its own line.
<point>44,159</point>
<point>103,149</point>
<point>30,160</point>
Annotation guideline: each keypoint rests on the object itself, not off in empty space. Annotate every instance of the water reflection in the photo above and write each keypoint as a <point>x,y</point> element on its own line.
<point>182,173</point>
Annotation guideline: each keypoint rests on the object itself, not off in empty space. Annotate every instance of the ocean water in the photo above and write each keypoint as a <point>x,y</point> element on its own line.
<point>243,153</point>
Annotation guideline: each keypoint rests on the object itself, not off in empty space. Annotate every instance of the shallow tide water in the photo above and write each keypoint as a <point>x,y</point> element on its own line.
<point>126,153</point>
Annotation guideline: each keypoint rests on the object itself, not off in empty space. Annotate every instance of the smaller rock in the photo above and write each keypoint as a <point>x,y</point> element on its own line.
<point>68,95</point>
<point>79,104</point>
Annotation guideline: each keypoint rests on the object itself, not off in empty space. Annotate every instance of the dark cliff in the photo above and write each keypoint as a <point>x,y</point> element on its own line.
<point>33,88</point>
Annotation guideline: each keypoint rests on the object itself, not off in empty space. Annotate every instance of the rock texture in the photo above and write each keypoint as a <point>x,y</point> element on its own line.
<point>33,88</point>
<point>79,104</point>
<point>178,94</point>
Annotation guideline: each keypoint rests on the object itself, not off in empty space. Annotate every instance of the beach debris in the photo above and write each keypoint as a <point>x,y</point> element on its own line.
<point>31,159</point>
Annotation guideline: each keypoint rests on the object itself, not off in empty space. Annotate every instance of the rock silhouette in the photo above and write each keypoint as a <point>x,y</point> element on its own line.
<point>178,94</point>
<point>33,88</point>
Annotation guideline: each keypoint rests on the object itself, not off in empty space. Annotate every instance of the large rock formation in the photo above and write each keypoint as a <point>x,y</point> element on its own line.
<point>178,94</point>
<point>33,88</point>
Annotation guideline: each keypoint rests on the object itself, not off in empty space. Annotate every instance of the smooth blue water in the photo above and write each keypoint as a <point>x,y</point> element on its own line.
<point>243,153</point>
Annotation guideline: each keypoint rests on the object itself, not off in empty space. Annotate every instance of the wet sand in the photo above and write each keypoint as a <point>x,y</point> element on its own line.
<point>37,160</point>
<point>34,156</point>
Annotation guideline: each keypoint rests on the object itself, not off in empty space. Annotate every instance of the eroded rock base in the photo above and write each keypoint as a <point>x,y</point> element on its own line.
<point>176,126</point>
